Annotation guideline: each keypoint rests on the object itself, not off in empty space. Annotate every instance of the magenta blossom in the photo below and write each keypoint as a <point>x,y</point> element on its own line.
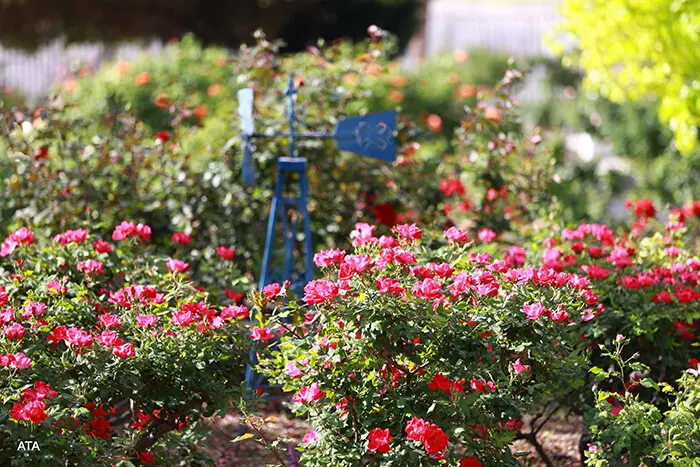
<point>487,235</point>
<point>456,235</point>
<point>534,311</point>
<point>176,266</point>
<point>319,291</point>
<point>309,393</point>
<point>519,368</point>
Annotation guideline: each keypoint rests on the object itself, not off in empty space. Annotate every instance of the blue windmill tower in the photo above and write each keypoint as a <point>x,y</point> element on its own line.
<point>369,135</point>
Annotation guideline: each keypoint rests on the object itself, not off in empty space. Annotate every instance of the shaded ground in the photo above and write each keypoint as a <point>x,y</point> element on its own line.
<point>250,453</point>
<point>559,437</point>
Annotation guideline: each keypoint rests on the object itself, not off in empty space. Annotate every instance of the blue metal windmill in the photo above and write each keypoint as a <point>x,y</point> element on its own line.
<point>368,135</point>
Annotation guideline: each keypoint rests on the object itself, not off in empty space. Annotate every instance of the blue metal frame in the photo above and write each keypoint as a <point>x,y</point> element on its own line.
<point>280,213</point>
<point>370,135</point>
<point>281,204</point>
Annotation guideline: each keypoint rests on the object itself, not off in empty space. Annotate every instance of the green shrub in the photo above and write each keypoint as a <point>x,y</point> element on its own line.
<point>628,429</point>
<point>406,331</point>
<point>11,99</point>
<point>90,325</point>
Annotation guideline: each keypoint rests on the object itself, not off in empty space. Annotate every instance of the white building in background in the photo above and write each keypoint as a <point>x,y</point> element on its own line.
<point>515,27</point>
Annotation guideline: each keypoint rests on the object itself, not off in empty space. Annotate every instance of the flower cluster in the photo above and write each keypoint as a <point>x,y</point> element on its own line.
<point>431,354</point>
<point>32,406</point>
<point>22,236</point>
<point>648,285</point>
<point>129,229</point>
<point>82,329</point>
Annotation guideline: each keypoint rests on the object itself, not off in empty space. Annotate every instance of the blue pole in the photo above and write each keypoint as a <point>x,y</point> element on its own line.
<point>308,249</point>
<point>290,113</point>
<point>269,239</point>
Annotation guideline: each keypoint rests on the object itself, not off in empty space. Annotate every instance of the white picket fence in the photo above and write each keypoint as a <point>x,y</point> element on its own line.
<point>33,74</point>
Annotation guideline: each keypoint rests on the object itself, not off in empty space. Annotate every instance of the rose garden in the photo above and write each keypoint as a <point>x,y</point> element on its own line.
<point>464,298</point>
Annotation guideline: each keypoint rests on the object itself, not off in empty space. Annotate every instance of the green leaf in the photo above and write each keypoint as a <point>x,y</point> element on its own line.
<point>649,383</point>
<point>577,383</point>
<point>243,437</point>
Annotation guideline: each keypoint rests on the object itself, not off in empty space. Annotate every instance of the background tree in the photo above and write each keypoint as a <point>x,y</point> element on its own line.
<point>30,23</point>
<point>632,50</point>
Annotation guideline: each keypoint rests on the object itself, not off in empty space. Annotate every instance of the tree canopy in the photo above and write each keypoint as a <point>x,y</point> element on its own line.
<point>635,49</point>
<point>28,24</point>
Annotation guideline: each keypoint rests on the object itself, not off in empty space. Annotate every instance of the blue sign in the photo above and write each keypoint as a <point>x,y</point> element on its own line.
<point>370,135</point>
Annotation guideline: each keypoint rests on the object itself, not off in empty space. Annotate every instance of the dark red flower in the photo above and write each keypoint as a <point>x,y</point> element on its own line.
<point>384,213</point>
<point>469,462</point>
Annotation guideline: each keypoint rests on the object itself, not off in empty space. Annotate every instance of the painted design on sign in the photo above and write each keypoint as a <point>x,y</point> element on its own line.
<point>377,136</point>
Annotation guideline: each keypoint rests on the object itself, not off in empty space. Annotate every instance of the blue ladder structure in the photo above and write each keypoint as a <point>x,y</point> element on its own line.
<point>280,213</point>
<point>282,204</point>
<point>369,135</point>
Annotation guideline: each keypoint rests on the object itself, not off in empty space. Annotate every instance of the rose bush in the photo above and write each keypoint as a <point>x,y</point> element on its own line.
<point>643,285</point>
<point>498,175</point>
<point>89,325</point>
<point>629,429</point>
<point>58,175</point>
<point>418,351</point>
<point>389,311</point>
<point>645,279</point>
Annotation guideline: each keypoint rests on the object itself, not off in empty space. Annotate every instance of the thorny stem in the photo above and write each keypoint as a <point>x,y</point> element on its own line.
<point>292,331</point>
<point>264,440</point>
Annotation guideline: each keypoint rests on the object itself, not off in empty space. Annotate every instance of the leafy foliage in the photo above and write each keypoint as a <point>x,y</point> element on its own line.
<point>89,324</point>
<point>397,331</point>
<point>627,429</point>
<point>632,49</point>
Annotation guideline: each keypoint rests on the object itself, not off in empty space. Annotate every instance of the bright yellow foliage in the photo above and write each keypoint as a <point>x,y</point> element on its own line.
<point>631,49</point>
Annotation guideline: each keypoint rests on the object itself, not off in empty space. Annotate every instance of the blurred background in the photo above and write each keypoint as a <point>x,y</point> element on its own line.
<point>54,39</point>
<point>607,150</point>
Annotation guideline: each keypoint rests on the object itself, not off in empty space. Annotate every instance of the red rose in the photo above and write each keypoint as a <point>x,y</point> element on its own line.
<point>643,208</point>
<point>469,462</point>
<point>434,440</point>
<point>378,440</point>
<point>181,238</point>
<point>385,213</point>
<point>233,296</point>
<point>102,247</point>
<point>225,252</point>
<point>440,382</point>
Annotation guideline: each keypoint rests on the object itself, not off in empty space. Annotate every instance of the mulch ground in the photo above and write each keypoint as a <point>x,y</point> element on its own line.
<point>559,437</point>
